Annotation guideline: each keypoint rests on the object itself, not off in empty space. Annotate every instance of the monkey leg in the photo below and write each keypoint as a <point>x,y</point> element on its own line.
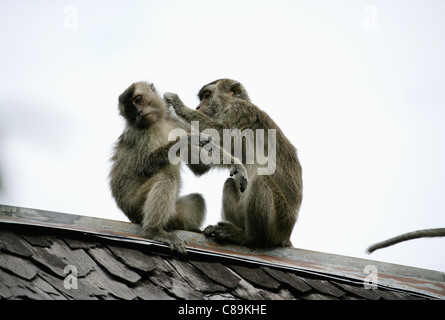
<point>259,213</point>
<point>190,212</point>
<point>266,213</point>
<point>231,206</point>
<point>231,230</point>
<point>269,218</point>
<point>267,222</point>
<point>159,209</point>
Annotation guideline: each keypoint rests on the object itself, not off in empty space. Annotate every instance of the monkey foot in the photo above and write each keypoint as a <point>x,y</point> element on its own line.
<point>176,244</point>
<point>224,232</point>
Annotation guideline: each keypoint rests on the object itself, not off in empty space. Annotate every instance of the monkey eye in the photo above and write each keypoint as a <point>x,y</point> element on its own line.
<point>205,95</point>
<point>137,99</point>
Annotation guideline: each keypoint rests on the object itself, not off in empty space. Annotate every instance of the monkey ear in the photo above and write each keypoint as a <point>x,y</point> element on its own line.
<point>236,89</point>
<point>152,87</point>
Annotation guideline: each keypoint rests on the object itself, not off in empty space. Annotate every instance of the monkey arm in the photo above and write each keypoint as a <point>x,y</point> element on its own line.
<point>220,158</point>
<point>190,115</point>
<point>177,104</point>
<point>155,161</point>
<point>159,158</point>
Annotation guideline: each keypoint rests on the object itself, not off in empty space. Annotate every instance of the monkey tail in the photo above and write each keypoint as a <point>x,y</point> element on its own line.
<point>436,232</point>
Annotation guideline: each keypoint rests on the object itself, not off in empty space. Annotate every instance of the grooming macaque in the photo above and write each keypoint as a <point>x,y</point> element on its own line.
<point>144,183</point>
<point>425,233</point>
<point>265,213</point>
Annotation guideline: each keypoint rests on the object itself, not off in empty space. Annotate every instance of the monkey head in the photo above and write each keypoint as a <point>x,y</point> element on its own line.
<point>141,105</point>
<point>220,92</point>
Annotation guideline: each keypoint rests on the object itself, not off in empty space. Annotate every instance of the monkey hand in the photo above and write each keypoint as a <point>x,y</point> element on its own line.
<point>170,97</point>
<point>201,140</point>
<point>173,100</point>
<point>242,172</point>
<point>207,142</point>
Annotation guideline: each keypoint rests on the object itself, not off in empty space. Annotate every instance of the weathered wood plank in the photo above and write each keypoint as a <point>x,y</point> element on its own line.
<point>195,278</point>
<point>361,291</point>
<point>49,261</point>
<point>257,276</point>
<point>118,289</point>
<point>324,286</point>
<point>217,272</point>
<point>36,240</point>
<point>146,290</point>
<point>245,290</point>
<point>288,278</point>
<point>85,290</point>
<point>18,266</point>
<point>80,244</point>
<point>318,296</point>
<point>105,259</point>
<point>175,285</point>
<point>59,256</point>
<point>135,259</point>
<point>13,243</point>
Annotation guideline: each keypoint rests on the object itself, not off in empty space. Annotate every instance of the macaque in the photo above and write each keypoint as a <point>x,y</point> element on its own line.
<point>265,213</point>
<point>143,182</point>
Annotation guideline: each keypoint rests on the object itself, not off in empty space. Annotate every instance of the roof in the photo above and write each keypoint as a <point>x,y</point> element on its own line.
<point>51,255</point>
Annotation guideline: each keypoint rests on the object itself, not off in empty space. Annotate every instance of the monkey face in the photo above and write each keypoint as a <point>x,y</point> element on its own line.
<point>204,96</point>
<point>141,105</point>
<point>219,92</point>
<point>142,112</point>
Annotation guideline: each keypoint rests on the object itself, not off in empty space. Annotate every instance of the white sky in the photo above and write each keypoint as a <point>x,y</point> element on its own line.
<point>358,90</point>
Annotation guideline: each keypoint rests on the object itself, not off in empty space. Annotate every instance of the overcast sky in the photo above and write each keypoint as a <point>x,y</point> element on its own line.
<point>356,86</point>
